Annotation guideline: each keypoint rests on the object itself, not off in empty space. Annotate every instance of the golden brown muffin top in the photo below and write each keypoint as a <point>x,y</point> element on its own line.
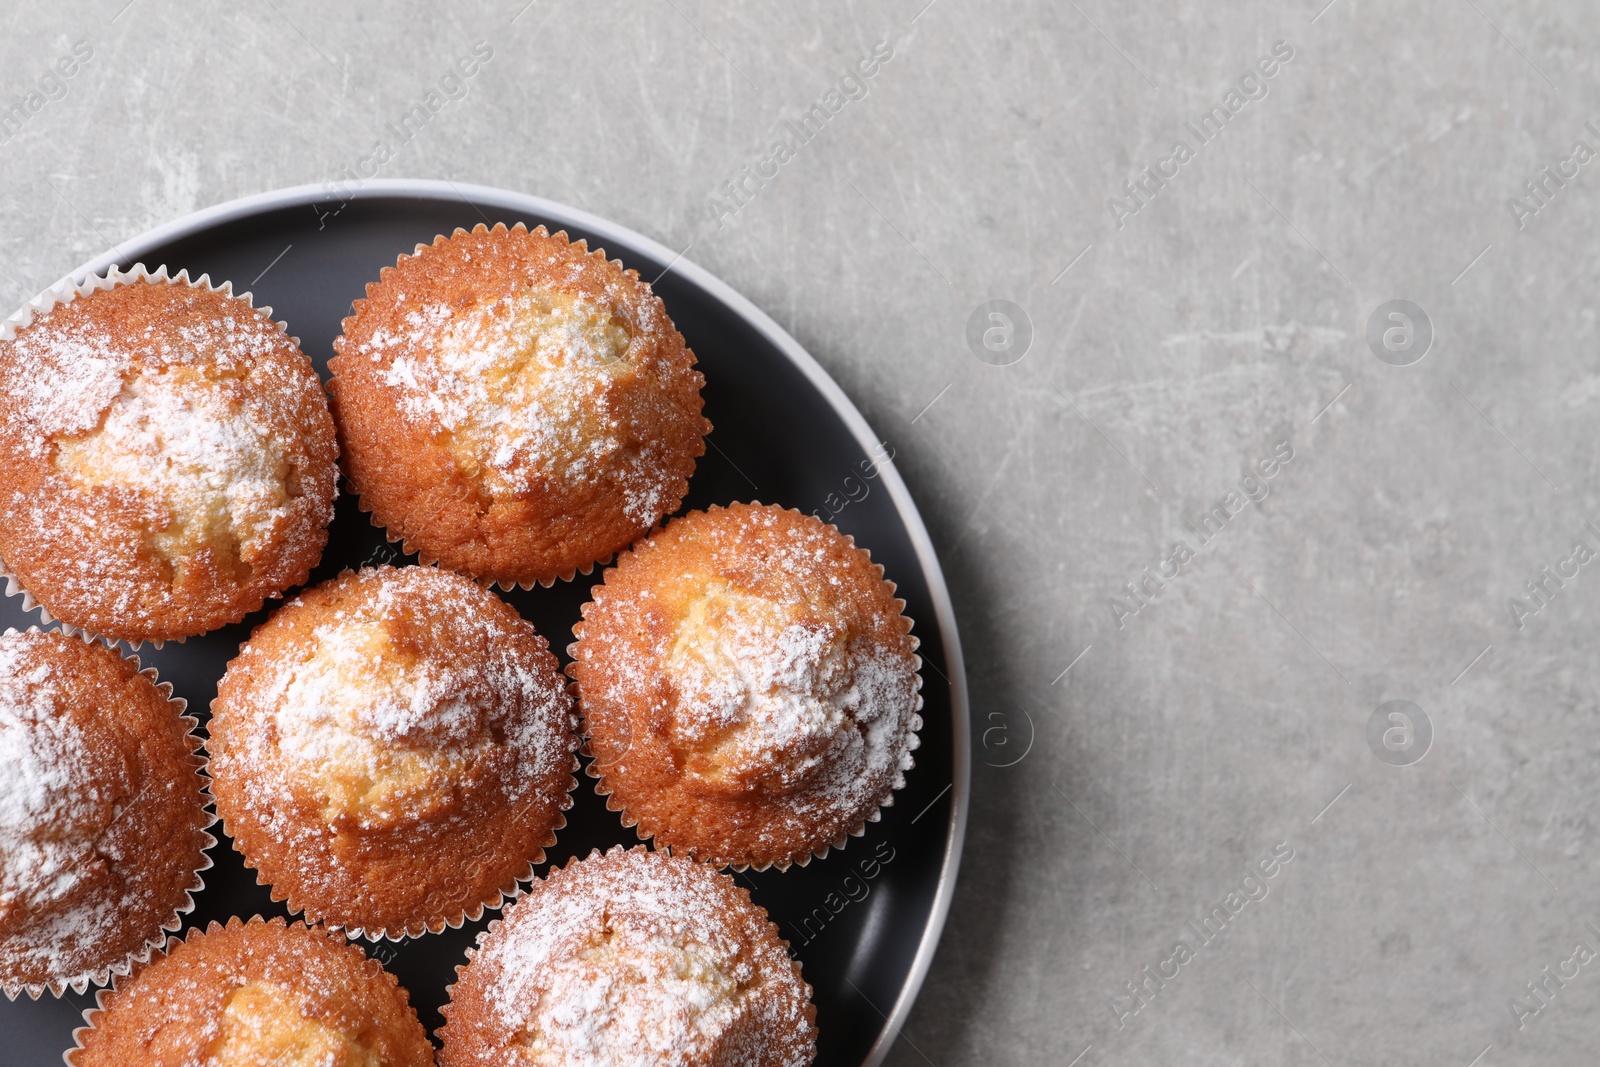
<point>515,406</point>
<point>102,821</point>
<point>631,957</point>
<point>253,994</point>
<point>393,748</point>
<point>748,686</point>
<point>167,459</point>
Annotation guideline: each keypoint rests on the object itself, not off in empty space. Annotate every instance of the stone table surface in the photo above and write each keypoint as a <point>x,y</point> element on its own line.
<point>1206,498</point>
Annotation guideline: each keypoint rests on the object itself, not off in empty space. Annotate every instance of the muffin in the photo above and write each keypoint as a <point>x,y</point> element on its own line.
<point>748,685</point>
<point>514,406</point>
<point>393,750</point>
<point>631,957</point>
<point>167,460</point>
<point>255,993</point>
<point>102,815</point>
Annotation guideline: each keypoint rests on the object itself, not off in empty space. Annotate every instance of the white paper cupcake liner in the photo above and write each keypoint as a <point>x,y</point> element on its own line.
<point>425,559</point>
<point>504,896</point>
<point>70,1056</point>
<point>596,853</point>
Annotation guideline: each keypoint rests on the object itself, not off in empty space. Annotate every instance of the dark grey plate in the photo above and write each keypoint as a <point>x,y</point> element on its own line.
<point>864,921</point>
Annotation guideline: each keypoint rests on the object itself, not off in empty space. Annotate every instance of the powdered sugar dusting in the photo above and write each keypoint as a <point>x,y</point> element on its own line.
<point>49,797</point>
<point>637,960</point>
<point>780,673</point>
<point>377,736</point>
<point>78,891</point>
<point>171,457</point>
<point>217,474</point>
<point>387,727</point>
<point>70,369</point>
<point>770,698</point>
<point>75,373</point>
<point>533,387</point>
<point>261,993</point>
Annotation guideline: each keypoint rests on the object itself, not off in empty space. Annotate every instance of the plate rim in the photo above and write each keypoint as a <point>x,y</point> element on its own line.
<point>129,252</point>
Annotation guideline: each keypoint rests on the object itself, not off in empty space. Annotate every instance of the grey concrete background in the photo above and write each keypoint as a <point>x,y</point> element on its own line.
<point>1229,716</point>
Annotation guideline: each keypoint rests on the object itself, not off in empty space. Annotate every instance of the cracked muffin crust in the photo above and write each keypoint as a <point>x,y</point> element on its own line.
<point>167,458</point>
<point>748,685</point>
<point>255,993</point>
<point>392,750</point>
<point>515,406</point>
<point>631,957</point>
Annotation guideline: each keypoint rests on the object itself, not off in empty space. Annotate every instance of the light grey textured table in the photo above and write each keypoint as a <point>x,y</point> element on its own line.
<point>1164,740</point>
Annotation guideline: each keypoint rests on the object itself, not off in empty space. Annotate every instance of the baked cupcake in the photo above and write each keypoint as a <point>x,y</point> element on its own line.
<point>393,750</point>
<point>167,460</point>
<point>631,957</point>
<point>102,816</point>
<point>514,406</point>
<point>251,994</point>
<point>748,685</point>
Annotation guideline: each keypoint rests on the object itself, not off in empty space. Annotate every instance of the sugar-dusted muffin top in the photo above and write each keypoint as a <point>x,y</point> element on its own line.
<point>167,459</point>
<point>515,406</point>
<point>636,958</point>
<point>748,685</point>
<point>253,994</point>
<point>102,820</point>
<point>392,749</point>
